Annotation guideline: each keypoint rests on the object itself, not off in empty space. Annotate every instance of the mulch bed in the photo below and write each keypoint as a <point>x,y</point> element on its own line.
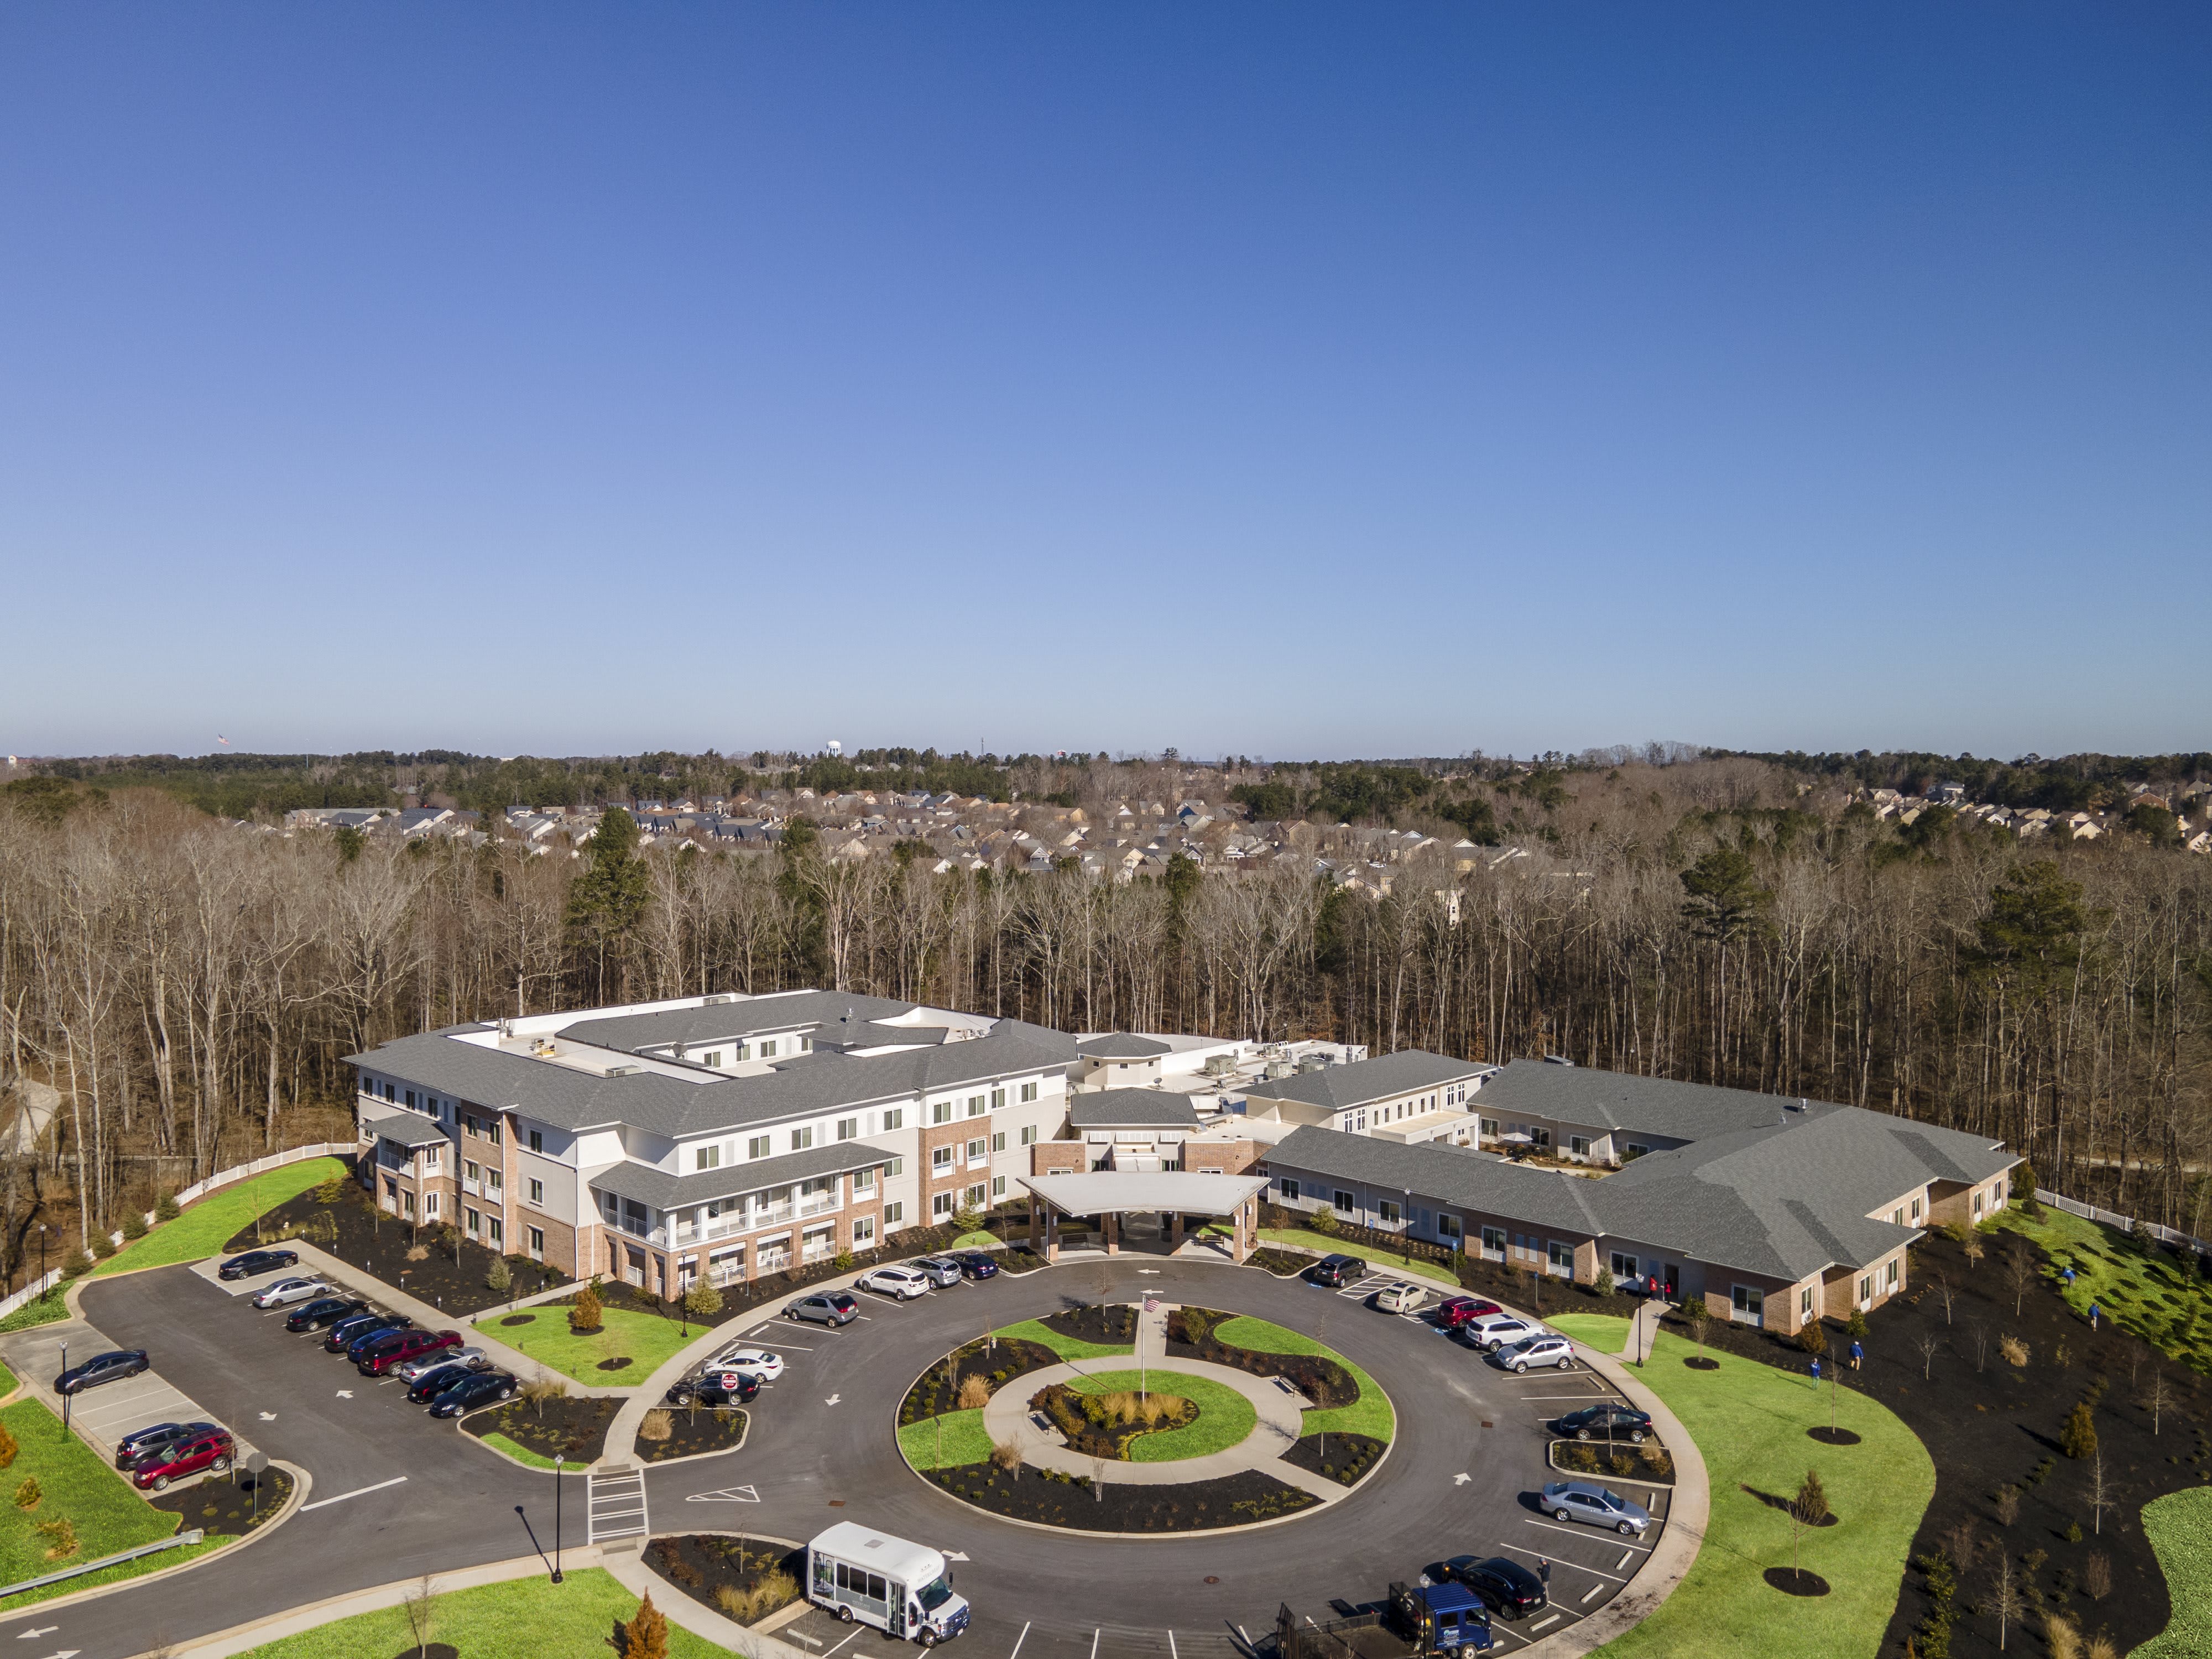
<point>1792,1581</point>
<point>934,1393</point>
<point>701,1564</point>
<point>1990,1425</point>
<point>1111,1441</point>
<point>1593,1460</point>
<point>693,1432</point>
<point>1235,1500</point>
<point>1477,1275</point>
<point>1281,1263</point>
<point>1343,1458</point>
<point>1107,1323</point>
<point>1019,1258</point>
<point>358,1233</point>
<point>1322,1381</point>
<point>227,1506</point>
<point>574,1426</point>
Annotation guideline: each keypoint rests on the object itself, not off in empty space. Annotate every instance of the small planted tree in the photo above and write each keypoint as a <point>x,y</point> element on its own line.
<point>646,1635</point>
<point>701,1302</point>
<point>164,1207</point>
<point>2158,1395</point>
<point>1808,1509</point>
<point>1603,1283</point>
<point>586,1315</point>
<point>1813,1339</point>
<point>1856,1326</point>
<point>2079,1438</point>
<point>134,1224</point>
<point>7,1447</point>
<point>420,1605</point>
<point>2005,1599</point>
<point>499,1277</point>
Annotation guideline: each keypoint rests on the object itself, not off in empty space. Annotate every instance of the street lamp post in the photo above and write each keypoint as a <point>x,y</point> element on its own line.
<point>65,1393</point>
<point>557,1517</point>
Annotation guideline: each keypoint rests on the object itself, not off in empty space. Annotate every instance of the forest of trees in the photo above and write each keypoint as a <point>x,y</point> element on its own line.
<point>192,986</point>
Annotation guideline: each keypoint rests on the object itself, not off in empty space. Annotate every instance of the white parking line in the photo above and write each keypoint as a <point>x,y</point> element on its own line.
<point>357,1492</point>
<point>1541,1623</point>
<point>1593,1592</point>
<point>1016,1654</point>
<point>1583,1532</point>
<point>1623,1562</point>
<point>1561,1561</point>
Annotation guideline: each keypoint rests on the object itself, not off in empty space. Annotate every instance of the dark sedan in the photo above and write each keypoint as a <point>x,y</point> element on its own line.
<point>715,1388</point>
<point>161,1436</point>
<point>477,1389</point>
<point>1507,1588</point>
<point>431,1383</point>
<point>1333,1273</point>
<point>102,1368</point>
<point>324,1311</point>
<point>347,1332</point>
<point>1605,1422</point>
<point>257,1261</point>
<point>978,1264</point>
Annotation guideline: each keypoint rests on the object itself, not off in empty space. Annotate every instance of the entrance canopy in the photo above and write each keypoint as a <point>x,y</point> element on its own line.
<point>1110,1192</point>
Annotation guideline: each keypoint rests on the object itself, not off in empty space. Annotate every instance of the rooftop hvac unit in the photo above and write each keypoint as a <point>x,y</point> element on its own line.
<point>624,1071</point>
<point>1278,1068</point>
<point>711,1001</point>
<point>1312,1062</point>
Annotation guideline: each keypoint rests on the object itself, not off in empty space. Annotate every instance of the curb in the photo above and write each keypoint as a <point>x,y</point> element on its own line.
<point>701,1457</point>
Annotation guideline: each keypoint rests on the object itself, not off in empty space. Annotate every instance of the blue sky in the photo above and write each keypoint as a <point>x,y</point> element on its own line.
<point>1256,379</point>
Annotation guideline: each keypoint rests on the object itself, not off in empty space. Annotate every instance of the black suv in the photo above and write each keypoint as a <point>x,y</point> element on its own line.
<point>366,1323</point>
<point>324,1311</point>
<point>257,1261</point>
<point>1507,1588</point>
<point>1605,1422</point>
<point>159,1438</point>
<point>1333,1273</point>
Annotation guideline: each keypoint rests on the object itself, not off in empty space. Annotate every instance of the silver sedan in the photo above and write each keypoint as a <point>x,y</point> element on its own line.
<point>286,1292</point>
<point>411,1371</point>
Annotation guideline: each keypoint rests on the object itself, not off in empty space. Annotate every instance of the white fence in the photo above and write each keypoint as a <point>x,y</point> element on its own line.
<point>198,1189</point>
<point>2125,1223</point>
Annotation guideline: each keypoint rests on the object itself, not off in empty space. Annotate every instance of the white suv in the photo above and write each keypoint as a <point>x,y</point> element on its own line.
<point>904,1283</point>
<point>1542,1349</point>
<point>1491,1332</point>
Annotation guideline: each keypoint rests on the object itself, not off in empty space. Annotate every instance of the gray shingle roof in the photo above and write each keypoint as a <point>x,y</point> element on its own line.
<point>1120,1045</point>
<point>1131,1108</point>
<point>1622,1100</point>
<point>402,1127</point>
<point>726,1022</point>
<point>570,1099</point>
<point>1384,1078</point>
<point>1456,1175</point>
<point>663,1191</point>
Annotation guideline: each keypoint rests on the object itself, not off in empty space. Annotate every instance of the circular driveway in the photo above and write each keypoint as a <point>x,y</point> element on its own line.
<point>1461,1478</point>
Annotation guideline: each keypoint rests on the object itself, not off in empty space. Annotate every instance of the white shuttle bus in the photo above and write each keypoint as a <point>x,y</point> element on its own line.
<point>902,1589</point>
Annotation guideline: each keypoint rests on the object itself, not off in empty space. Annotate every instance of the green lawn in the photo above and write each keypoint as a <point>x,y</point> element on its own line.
<point>6,1382</point>
<point>965,1442</point>
<point>1750,1421</point>
<point>1607,1333</point>
<point>42,1310</point>
<point>646,1340</point>
<point>1370,1414</point>
<point>515,1449</point>
<point>1224,1416</point>
<point>2162,1300</point>
<point>2178,1526</point>
<point>1381,1260</point>
<point>1068,1347</point>
<point>205,1228</point>
<point>522,1618</point>
<point>78,1484</point>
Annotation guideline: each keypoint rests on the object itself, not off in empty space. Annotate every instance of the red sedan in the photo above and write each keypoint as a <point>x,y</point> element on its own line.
<point>211,1451</point>
<point>400,1346</point>
<point>1455,1311</point>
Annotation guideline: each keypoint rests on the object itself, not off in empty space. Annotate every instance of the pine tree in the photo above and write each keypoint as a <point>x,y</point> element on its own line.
<point>646,1637</point>
<point>606,903</point>
<point>2079,1438</point>
<point>585,1315</point>
<point>499,1276</point>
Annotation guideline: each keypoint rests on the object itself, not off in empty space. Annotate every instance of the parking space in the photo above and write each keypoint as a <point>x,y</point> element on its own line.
<point>105,1414</point>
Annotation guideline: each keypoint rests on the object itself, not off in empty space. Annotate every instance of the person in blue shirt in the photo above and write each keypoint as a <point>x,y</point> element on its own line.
<point>2069,1275</point>
<point>1816,1371</point>
<point>1857,1354</point>
<point>2093,1316</point>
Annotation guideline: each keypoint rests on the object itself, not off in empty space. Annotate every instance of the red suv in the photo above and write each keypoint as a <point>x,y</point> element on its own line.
<point>1459,1310</point>
<point>211,1451</point>
<point>400,1346</point>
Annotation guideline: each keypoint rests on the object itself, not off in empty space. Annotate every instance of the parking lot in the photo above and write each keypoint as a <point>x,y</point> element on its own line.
<point>105,1414</point>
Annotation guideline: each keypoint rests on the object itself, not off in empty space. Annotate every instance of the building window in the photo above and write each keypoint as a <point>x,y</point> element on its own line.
<point>537,1140</point>
<point>1978,1207</point>
<point>493,1180</point>
<point>745,1051</point>
<point>974,1196</point>
<point>537,1244</point>
<point>864,1230</point>
<point>715,1057</point>
<point>941,1207</point>
<point>430,1204</point>
<point>998,1186</point>
<point>894,1168</point>
<point>1750,1304</point>
<point>1562,1257</point>
<point>496,1236</point>
<point>1029,1093</point>
<point>1447,1226</point>
<point>757,1146</point>
<point>472,1221</point>
<point>1623,1266</point>
<point>802,1138</point>
<point>999,1142</point>
<point>710,1158</point>
<point>1915,1210</point>
<point>1029,1135</point>
<point>997,1099</point>
<point>1388,1209</point>
<point>975,1105</point>
<point>848,1129</point>
<point>410,1100</point>
<point>1897,1217</point>
<point>1866,1288</point>
<point>1805,1302</point>
<point>1343,1201</point>
<point>491,1130</point>
<point>941,1112</point>
<point>469,1168</point>
<point>1488,1127</point>
<point>978,1150</point>
<point>894,1213</point>
<point>538,1192</point>
<point>894,1119</point>
<point>940,1158</point>
<point>1634,1150</point>
<point>864,1180</point>
<point>1286,1188</point>
<point>1889,1280</point>
<point>1493,1243</point>
<point>768,1049</point>
<point>1578,1145</point>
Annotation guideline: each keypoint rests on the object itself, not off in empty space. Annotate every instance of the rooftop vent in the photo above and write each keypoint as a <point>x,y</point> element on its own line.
<point>1798,1106</point>
<point>624,1071</point>
<point>711,1001</point>
<point>1557,1059</point>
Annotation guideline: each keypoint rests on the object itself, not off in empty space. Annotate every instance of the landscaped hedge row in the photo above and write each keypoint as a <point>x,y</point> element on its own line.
<point>1190,1336</point>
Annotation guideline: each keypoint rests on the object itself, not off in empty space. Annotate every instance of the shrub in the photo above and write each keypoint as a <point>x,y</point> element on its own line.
<point>1603,1283</point>
<point>1813,1339</point>
<point>974,1392</point>
<point>1007,1456</point>
<point>418,1252</point>
<point>134,1225</point>
<point>1621,1464</point>
<point>1323,1222</point>
<point>2072,1533</point>
<point>7,1447</point>
<point>967,1219</point>
<point>164,1207</point>
<point>102,1246</point>
<point>78,1265</point>
<point>60,1535</point>
<point>2097,1575</point>
<point>747,1606</point>
<point>2015,1350</point>
<point>1656,1460</point>
<point>658,1426</point>
<point>646,1635</point>
<point>1856,1326</point>
<point>2007,1504</point>
<point>585,1314</point>
<point>331,1190</point>
<point>499,1276</point>
<point>702,1301</point>
<point>2079,1438</point>
<point>29,1494</point>
<point>2060,1635</point>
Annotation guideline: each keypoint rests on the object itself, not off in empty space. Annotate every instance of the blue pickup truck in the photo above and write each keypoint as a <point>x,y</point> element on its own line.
<point>1443,1618</point>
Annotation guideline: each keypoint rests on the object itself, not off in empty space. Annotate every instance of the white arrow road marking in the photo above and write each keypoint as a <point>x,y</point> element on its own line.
<point>954,1555</point>
<point>66,1653</point>
<point>727,1495</point>
<point>1461,1479</point>
<point>345,1394</point>
<point>833,1399</point>
<point>43,1630</point>
<point>269,1417</point>
<point>1153,1272</point>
